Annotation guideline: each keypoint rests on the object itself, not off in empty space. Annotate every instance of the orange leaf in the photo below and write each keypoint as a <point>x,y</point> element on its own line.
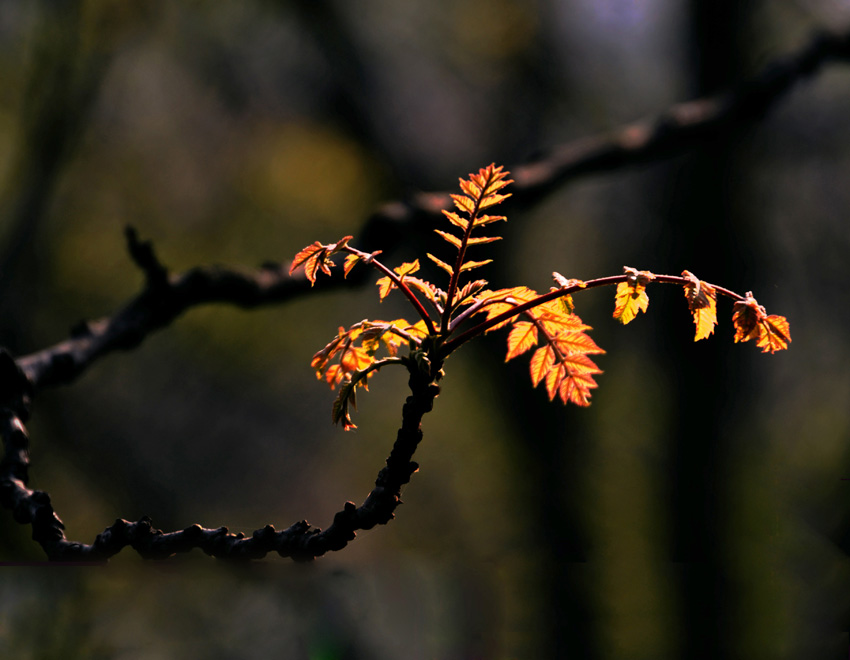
<point>772,333</point>
<point>775,334</point>
<point>541,362</point>
<point>576,389</point>
<point>496,302</point>
<point>470,187</point>
<point>521,338</point>
<point>577,342</point>
<point>746,315</point>
<point>311,259</point>
<point>490,200</point>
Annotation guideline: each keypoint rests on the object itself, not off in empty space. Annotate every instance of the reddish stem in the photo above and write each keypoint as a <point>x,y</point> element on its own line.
<point>452,345</point>
<point>420,309</point>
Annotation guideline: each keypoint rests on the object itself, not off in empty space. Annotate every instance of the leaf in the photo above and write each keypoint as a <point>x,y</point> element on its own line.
<point>772,333</point>
<point>478,240</point>
<point>571,379</point>
<point>470,187</point>
<point>347,396</point>
<point>451,238</point>
<point>469,265</point>
<point>521,338</point>
<point>349,263</point>
<point>776,334</point>
<point>541,363</point>
<point>340,245</point>
<point>385,284</point>
<point>746,315</point>
<point>490,200</point>
<point>311,259</point>
<point>465,294</point>
<point>494,303</point>
<point>702,301</point>
<point>316,257</point>
<point>464,203</point>
<point>456,220</point>
<point>482,220</point>
<point>563,364</point>
<point>353,259</point>
<point>440,263</point>
<point>631,295</point>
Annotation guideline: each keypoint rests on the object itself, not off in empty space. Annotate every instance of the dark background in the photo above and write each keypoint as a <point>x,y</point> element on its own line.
<point>695,510</point>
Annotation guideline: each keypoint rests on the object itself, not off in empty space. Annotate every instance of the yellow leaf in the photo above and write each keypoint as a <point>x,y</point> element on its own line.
<point>464,203</point>
<point>469,265</point>
<point>456,220</point>
<point>630,299</point>
<point>702,301</point>
<point>440,263</point>
<point>451,238</point>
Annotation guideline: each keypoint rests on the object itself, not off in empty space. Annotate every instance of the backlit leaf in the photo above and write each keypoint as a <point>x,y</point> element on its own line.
<point>451,238</point>
<point>541,362</point>
<point>776,334</point>
<point>478,240</point>
<point>772,333</point>
<point>482,220</point>
<point>456,220</point>
<point>521,338</point>
<point>349,263</point>
<point>469,265</point>
<point>440,263</point>
<point>630,299</point>
<point>312,258</point>
<point>385,284</point>
<point>702,301</point>
<point>464,203</point>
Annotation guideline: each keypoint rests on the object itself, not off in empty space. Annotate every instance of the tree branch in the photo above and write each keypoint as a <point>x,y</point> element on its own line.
<point>299,541</point>
<point>167,296</point>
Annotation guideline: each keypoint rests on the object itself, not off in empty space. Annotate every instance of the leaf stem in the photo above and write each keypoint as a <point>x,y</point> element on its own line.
<point>453,344</point>
<point>461,254</point>
<point>423,313</point>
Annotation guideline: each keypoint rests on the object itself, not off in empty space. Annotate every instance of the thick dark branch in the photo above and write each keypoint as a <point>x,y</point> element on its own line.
<point>682,126</point>
<point>299,541</point>
<point>163,299</point>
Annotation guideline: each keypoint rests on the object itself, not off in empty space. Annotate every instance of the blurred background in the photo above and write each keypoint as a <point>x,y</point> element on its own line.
<point>696,509</point>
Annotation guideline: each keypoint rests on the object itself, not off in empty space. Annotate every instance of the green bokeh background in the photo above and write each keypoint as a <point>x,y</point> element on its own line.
<point>695,510</point>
